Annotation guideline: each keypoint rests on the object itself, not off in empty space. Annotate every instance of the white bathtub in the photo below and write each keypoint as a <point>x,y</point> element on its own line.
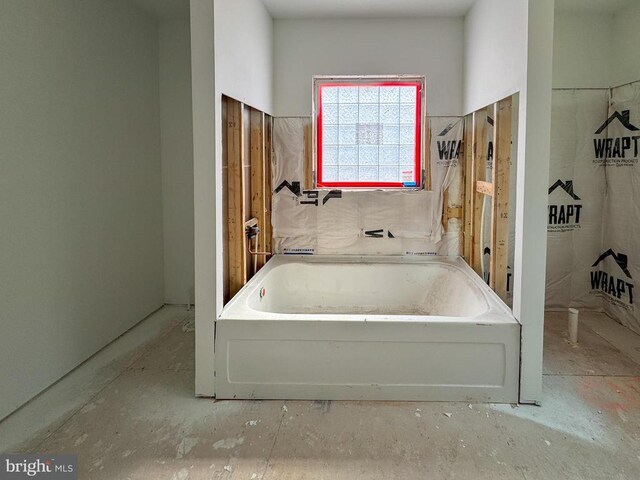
<point>377,328</point>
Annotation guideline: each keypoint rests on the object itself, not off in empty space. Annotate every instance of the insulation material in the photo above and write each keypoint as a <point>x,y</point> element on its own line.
<point>576,195</point>
<point>616,268</point>
<point>368,222</point>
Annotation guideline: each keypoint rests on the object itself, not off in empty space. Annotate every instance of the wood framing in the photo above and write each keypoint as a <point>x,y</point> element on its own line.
<point>484,188</point>
<point>258,191</point>
<point>467,191</point>
<point>500,200</point>
<point>478,173</point>
<point>308,157</point>
<point>246,184</point>
<point>268,186</point>
<point>236,191</point>
<point>477,188</point>
<point>426,154</point>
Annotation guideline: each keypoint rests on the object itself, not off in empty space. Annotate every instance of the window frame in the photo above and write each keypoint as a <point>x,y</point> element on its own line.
<point>321,81</point>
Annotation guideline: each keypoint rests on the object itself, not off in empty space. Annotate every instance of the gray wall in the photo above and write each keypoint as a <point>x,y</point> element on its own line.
<point>177,158</point>
<point>81,250</point>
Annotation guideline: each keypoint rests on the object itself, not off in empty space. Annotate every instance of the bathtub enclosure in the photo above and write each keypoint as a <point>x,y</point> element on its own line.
<point>376,328</point>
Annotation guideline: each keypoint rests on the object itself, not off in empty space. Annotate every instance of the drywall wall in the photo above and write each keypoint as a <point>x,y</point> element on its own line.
<point>583,50</point>
<point>80,190</point>
<point>508,49</point>
<point>495,51</point>
<point>208,297</point>
<point>426,46</point>
<point>244,52</point>
<point>231,54</point>
<point>626,38</point>
<point>534,147</point>
<point>177,159</point>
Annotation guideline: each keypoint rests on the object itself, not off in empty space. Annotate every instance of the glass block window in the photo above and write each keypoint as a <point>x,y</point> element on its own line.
<point>368,133</point>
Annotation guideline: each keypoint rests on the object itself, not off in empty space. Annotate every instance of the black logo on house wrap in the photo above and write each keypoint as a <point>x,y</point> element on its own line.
<point>565,207</point>
<point>312,197</point>
<point>38,466</point>
<point>611,279</point>
<point>379,233</point>
<point>487,251</point>
<point>617,141</point>
<point>448,149</point>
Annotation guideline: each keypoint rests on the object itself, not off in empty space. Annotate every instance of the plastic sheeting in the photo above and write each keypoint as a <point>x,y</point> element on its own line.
<point>594,202</point>
<point>615,273</point>
<point>369,222</point>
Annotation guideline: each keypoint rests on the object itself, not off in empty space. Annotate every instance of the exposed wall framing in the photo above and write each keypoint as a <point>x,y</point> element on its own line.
<point>478,187</point>
<point>246,191</point>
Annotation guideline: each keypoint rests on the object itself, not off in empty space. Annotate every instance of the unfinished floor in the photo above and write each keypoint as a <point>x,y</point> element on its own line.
<point>129,413</point>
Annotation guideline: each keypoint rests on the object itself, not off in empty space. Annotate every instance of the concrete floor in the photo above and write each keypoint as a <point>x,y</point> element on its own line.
<point>134,417</point>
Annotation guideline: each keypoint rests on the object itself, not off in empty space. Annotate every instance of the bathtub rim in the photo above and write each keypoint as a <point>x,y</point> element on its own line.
<point>497,311</point>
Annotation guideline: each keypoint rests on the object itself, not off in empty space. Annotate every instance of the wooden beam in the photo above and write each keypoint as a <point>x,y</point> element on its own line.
<point>484,188</point>
<point>426,149</point>
<point>258,194</point>
<point>454,212</point>
<point>479,162</point>
<point>467,190</point>
<point>308,156</point>
<point>237,252</point>
<point>268,187</point>
<point>500,204</point>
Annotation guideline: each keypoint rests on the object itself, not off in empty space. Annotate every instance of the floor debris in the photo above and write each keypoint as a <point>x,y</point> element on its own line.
<point>448,415</point>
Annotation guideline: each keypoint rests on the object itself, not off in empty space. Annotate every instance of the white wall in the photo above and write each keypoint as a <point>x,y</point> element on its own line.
<point>583,53</point>
<point>626,39</point>
<point>244,52</point>
<point>204,175</point>
<point>508,49</point>
<point>80,188</point>
<point>495,51</point>
<point>177,159</point>
<point>426,46</point>
<point>231,47</point>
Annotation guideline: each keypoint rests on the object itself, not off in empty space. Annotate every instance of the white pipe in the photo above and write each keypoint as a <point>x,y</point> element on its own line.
<point>573,326</point>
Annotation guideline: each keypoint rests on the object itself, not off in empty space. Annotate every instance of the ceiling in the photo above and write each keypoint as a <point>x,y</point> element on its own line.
<point>366,8</point>
<point>593,6</point>
<point>164,9</point>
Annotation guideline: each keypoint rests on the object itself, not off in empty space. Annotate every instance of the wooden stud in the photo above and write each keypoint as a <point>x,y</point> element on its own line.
<point>478,173</point>
<point>236,246</point>
<point>467,191</point>
<point>258,207</point>
<point>426,149</point>
<point>484,188</point>
<point>268,187</point>
<point>308,157</point>
<point>454,212</point>
<point>500,204</point>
